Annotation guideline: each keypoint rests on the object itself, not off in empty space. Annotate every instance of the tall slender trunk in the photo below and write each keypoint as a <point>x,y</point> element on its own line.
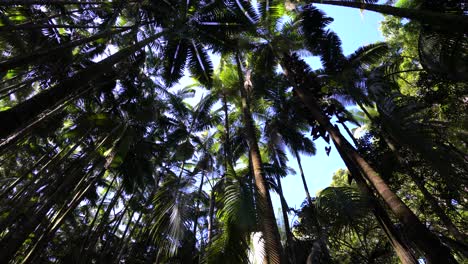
<point>267,216</point>
<point>350,134</point>
<point>449,22</point>
<point>306,189</point>
<point>125,240</point>
<point>211,215</point>
<point>227,149</point>
<point>19,116</point>
<point>91,225</point>
<point>100,229</point>
<point>289,251</point>
<point>428,243</point>
<point>195,216</point>
<point>22,198</point>
<point>7,189</point>
<point>14,239</point>
<point>402,249</point>
<point>39,54</point>
<point>58,220</point>
<point>322,237</point>
<point>452,229</point>
<point>120,216</point>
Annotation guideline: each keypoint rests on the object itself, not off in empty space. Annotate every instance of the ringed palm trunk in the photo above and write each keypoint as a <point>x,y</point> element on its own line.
<point>19,116</point>
<point>265,207</point>
<point>425,241</point>
<point>444,21</point>
<point>401,247</point>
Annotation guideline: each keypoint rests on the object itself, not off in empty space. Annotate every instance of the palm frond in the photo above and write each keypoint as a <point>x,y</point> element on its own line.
<point>175,55</point>
<point>344,206</point>
<point>368,55</point>
<point>200,65</point>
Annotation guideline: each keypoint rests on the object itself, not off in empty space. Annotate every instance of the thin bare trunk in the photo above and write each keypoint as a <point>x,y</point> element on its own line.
<point>195,217</point>
<point>289,252</point>
<point>306,189</point>
<point>211,215</point>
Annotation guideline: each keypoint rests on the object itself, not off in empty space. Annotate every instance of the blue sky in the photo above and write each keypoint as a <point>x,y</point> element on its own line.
<point>356,29</point>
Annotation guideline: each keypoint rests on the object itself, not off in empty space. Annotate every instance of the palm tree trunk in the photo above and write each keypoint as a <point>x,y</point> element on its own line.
<point>91,225</point>
<point>125,240</point>
<point>6,190</point>
<point>428,243</point>
<point>227,153</point>
<point>31,27</point>
<point>449,22</point>
<point>211,215</point>
<point>322,238</point>
<point>21,199</point>
<point>16,236</point>
<point>452,229</point>
<point>350,134</point>
<point>37,55</point>
<point>100,229</point>
<point>306,189</point>
<point>56,223</point>
<point>265,207</point>
<point>116,226</point>
<point>433,250</point>
<point>19,116</point>
<point>289,237</point>
<point>402,249</point>
<point>195,217</point>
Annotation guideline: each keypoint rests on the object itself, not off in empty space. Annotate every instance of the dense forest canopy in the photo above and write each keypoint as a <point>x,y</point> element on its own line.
<point>102,160</point>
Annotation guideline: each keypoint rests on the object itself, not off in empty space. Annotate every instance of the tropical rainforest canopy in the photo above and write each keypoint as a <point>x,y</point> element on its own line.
<point>102,160</point>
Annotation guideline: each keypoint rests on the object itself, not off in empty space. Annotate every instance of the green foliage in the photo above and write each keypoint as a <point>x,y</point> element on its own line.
<point>102,158</point>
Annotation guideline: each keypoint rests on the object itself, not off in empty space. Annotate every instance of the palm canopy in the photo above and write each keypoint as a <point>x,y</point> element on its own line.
<point>102,161</point>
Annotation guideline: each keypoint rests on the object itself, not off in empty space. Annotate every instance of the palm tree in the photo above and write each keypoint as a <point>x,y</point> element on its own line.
<point>431,246</point>
<point>205,19</point>
<point>286,127</point>
<point>100,161</point>
<point>269,227</point>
